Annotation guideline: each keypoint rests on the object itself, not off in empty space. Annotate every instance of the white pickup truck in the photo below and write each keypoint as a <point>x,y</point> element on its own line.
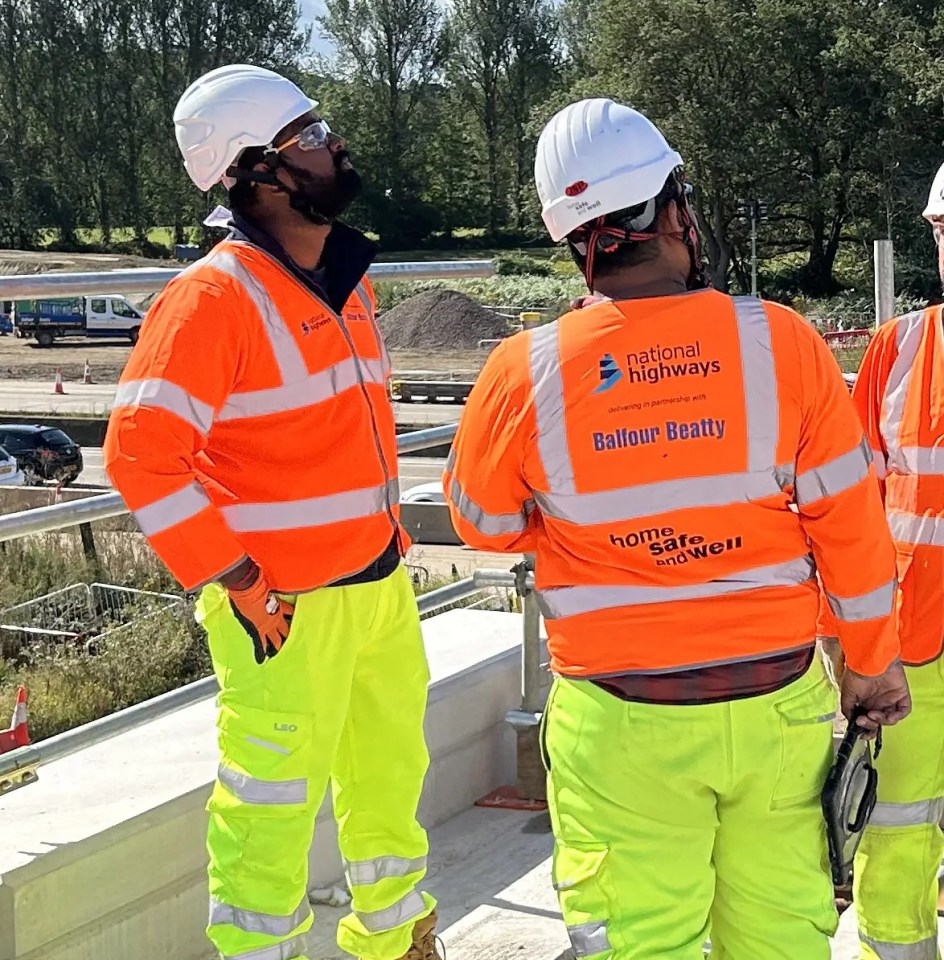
<point>111,317</point>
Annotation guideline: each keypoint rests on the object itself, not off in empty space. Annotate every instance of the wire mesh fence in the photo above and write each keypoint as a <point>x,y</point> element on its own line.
<point>86,614</point>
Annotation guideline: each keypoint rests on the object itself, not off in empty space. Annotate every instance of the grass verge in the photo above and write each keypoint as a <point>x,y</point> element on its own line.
<point>69,686</point>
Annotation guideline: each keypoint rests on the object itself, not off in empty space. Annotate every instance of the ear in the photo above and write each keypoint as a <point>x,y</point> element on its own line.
<point>669,220</point>
<point>269,188</point>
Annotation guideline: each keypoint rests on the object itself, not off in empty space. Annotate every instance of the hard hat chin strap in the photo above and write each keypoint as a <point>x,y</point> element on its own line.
<point>297,199</point>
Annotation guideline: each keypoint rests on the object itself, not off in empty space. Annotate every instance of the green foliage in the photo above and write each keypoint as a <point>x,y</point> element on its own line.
<point>520,264</point>
<point>828,112</point>
<point>69,686</point>
<point>517,292</point>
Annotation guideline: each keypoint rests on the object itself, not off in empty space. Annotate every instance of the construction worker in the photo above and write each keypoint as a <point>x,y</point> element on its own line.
<point>899,394</point>
<point>648,450</point>
<point>253,440</point>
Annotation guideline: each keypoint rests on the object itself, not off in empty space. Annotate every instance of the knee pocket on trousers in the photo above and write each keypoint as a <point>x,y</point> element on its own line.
<point>806,726</point>
<point>264,762</point>
<point>581,875</point>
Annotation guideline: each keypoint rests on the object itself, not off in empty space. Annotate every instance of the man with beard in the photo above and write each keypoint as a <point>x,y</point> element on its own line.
<point>253,439</point>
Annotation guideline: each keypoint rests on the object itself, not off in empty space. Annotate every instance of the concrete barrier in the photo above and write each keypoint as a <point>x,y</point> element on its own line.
<point>429,523</point>
<point>104,857</point>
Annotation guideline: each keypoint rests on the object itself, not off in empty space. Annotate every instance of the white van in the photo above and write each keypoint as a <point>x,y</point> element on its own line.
<point>109,316</point>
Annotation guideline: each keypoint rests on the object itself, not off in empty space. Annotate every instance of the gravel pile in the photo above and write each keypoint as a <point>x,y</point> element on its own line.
<point>440,320</point>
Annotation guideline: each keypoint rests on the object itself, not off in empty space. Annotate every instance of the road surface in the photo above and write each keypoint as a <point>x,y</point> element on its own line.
<point>413,470</point>
<point>94,399</point>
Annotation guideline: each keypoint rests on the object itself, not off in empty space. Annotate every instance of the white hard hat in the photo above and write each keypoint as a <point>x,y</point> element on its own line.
<point>231,108</point>
<point>596,157</point>
<point>935,207</point>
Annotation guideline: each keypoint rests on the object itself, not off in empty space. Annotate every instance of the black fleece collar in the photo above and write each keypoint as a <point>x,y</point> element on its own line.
<point>347,255</point>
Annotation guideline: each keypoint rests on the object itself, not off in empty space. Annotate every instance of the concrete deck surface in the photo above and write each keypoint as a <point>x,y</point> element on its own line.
<point>491,871</point>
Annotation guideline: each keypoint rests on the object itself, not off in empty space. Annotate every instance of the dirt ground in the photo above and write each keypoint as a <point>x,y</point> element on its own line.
<point>24,360</point>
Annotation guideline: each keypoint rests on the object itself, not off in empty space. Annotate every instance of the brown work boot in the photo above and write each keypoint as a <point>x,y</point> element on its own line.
<point>425,940</point>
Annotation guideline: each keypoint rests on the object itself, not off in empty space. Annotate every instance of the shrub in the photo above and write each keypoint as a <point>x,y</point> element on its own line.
<point>518,292</point>
<point>69,686</point>
<point>520,264</point>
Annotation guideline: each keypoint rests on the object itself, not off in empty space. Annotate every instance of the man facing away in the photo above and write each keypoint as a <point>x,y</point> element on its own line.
<point>899,394</point>
<point>253,440</point>
<point>648,449</point>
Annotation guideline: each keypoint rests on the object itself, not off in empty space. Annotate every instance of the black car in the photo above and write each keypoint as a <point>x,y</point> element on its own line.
<point>43,453</point>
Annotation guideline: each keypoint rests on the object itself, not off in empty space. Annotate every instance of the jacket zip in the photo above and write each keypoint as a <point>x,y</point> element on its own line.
<point>310,289</point>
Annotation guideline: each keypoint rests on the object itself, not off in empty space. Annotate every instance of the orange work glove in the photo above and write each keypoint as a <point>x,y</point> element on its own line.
<point>262,615</point>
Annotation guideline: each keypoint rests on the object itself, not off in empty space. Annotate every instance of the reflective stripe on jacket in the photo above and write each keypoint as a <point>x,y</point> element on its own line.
<point>649,452</point>
<point>899,394</point>
<point>253,419</point>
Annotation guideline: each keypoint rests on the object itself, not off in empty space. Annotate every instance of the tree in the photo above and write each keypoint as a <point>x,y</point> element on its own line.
<point>389,52</point>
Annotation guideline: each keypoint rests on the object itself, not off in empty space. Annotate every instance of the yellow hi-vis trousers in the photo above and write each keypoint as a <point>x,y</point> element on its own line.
<point>344,701</point>
<point>895,872</point>
<point>675,822</point>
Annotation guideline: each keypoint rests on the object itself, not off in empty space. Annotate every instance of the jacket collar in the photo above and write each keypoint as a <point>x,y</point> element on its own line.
<point>346,258</point>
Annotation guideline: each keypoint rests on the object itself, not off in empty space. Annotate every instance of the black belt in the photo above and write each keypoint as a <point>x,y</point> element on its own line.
<point>378,569</point>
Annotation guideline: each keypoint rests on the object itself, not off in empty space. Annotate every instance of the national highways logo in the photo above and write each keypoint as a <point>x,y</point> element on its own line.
<point>610,373</point>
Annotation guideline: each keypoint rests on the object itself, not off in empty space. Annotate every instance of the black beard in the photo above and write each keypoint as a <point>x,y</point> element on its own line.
<point>322,200</point>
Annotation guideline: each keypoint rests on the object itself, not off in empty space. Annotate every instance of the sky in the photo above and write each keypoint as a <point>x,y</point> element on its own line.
<point>310,10</point>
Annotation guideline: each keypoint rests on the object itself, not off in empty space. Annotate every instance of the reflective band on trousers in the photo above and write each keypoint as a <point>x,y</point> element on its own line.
<point>252,921</point>
<point>315,388</point>
<point>312,512</point>
<point>908,334</point>
<point>175,508</point>
<point>867,606</point>
<point>922,950</point>
<point>288,950</point>
<point>573,601</point>
<point>403,911</point>
<point>588,939</point>
<point>490,524</point>
<point>361,873</point>
<point>168,396</point>
<point>917,813</point>
<point>263,792</point>
<point>762,478</point>
<point>909,528</point>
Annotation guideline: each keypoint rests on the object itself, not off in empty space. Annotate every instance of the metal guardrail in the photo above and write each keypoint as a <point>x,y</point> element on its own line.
<point>148,280</point>
<point>21,764</point>
<point>89,734</point>
<point>60,516</point>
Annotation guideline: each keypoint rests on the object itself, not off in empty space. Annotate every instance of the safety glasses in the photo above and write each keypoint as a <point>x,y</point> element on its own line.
<point>313,137</point>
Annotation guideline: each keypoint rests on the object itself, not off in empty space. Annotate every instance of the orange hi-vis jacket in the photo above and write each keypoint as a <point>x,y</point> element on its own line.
<point>681,467</point>
<point>899,394</point>
<point>253,419</point>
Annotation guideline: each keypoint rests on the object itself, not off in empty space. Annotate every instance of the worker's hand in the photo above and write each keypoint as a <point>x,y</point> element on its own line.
<point>884,700</point>
<point>262,614</point>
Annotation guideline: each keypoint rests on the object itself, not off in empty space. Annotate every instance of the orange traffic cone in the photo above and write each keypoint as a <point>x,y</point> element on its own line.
<point>87,376</point>
<point>59,387</point>
<point>20,724</point>
<point>17,735</point>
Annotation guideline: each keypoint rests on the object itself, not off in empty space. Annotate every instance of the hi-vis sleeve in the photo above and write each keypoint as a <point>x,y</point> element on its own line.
<point>868,394</point>
<point>841,510</point>
<point>179,374</point>
<point>489,501</point>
